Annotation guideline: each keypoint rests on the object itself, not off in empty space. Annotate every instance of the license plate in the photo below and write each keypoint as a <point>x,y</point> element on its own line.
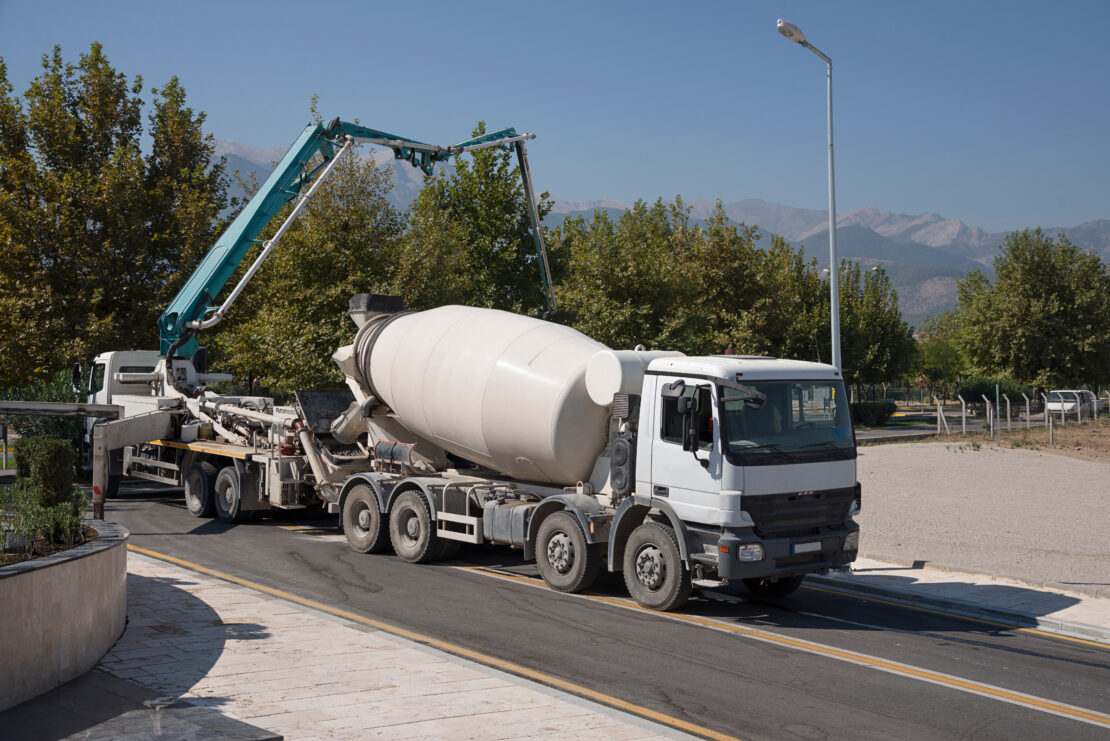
<point>807,547</point>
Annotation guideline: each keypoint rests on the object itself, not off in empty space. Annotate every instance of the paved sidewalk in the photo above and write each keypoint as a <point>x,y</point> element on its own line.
<point>305,674</point>
<point>1080,614</point>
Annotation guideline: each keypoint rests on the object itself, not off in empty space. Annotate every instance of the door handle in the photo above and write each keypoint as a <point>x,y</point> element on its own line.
<point>660,491</point>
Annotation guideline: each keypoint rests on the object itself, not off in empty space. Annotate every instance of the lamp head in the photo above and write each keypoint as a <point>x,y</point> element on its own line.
<point>792,32</point>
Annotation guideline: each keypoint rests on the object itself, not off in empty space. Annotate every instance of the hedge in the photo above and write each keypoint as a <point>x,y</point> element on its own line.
<point>48,467</point>
<point>872,412</point>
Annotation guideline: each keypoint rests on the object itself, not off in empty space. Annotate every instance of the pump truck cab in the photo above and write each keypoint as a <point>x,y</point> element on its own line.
<point>469,425</point>
<point>662,466</point>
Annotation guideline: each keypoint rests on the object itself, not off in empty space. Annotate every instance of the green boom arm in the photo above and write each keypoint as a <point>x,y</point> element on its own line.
<point>191,309</point>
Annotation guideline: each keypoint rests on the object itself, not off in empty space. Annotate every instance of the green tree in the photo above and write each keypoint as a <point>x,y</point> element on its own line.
<point>470,238</point>
<point>877,345</point>
<point>96,236</point>
<point>293,315</point>
<point>1045,320</point>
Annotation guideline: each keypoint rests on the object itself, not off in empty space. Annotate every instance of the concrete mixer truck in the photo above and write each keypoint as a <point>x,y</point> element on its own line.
<point>468,425</point>
<point>487,426</point>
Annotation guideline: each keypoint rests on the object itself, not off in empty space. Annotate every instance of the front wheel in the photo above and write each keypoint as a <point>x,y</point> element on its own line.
<point>780,587</point>
<point>653,569</point>
<point>567,562</point>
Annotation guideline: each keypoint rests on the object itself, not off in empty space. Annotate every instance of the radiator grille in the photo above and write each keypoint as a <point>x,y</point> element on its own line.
<point>798,513</point>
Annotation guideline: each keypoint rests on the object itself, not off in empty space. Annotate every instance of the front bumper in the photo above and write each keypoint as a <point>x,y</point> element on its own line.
<point>787,556</point>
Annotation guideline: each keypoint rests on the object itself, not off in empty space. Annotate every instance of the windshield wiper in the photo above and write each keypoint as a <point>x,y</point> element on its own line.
<point>826,443</point>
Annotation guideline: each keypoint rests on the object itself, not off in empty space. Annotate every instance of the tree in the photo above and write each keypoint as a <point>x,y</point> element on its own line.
<point>877,345</point>
<point>96,236</point>
<point>470,238</point>
<point>293,315</point>
<point>1045,320</point>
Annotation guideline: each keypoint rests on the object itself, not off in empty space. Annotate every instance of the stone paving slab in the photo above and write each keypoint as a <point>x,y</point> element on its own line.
<point>979,595</point>
<point>306,675</point>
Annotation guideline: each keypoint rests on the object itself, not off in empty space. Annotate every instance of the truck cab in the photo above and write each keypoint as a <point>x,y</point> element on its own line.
<point>757,457</point>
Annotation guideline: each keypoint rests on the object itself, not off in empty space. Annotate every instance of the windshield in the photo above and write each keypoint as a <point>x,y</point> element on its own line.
<point>800,421</point>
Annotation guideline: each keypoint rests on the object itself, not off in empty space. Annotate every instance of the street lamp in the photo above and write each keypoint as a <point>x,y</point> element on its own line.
<point>793,33</point>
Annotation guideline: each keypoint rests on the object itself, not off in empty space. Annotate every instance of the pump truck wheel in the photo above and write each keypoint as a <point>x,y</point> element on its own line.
<point>200,482</point>
<point>653,570</point>
<point>410,529</point>
<point>228,498</point>
<point>364,525</point>
<point>774,587</point>
<point>567,562</point>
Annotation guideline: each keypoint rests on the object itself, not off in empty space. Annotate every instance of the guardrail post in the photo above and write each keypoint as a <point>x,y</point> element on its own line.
<point>4,431</point>
<point>1027,415</point>
<point>1009,424</point>
<point>1048,417</point>
<point>963,413</point>
<point>1078,408</point>
<point>990,415</point>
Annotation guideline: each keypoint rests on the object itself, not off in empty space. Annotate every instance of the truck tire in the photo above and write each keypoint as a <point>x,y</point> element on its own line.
<point>567,562</point>
<point>200,482</point>
<point>410,529</point>
<point>364,525</point>
<point>228,498</point>
<point>653,569</point>
<point>774,588</point>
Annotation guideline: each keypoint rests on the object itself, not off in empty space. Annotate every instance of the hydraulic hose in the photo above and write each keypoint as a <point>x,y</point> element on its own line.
<point>185,337</point>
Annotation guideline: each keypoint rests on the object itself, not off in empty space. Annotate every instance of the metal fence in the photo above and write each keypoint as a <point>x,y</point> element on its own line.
<point>1009,413</point>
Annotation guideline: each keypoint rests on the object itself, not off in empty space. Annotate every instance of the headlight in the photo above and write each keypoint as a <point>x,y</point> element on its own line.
<point>753,552</point>
<point>854,508</point>
<point>851,541</point>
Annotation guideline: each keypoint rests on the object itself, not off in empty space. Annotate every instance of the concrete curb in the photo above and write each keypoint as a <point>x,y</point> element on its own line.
<point>845,585</point>
<point>1085,589</point>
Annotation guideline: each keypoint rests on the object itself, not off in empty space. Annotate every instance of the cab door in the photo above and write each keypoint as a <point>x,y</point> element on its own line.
<point>688,480</point>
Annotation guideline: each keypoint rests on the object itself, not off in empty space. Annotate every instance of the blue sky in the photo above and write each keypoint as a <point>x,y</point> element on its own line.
<point>996,113</point>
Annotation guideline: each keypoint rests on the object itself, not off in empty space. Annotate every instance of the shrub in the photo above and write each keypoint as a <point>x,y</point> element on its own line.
<point>872,412</point>
<point>47,466</point>
<point>59,522</point>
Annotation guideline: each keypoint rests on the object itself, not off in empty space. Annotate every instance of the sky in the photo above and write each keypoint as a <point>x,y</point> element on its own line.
<point>996,113</point>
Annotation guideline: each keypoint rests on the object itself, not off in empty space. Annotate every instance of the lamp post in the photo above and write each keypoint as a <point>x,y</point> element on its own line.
<point>793,33</point>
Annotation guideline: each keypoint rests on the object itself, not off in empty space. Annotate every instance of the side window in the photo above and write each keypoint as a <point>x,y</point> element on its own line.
<point>671,431</point>
<point>96,378</point>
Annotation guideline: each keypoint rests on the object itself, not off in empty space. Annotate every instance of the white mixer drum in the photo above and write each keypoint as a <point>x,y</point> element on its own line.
<point>503,390</point>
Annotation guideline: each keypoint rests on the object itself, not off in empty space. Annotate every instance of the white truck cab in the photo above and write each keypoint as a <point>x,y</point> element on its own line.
<point>757,455</point>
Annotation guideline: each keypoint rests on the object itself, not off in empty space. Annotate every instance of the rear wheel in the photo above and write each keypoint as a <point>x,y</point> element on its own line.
<point>567,562</point>
<point>653,570</point>
<point>780,587</point>
<point>410,529</point>
<point>200,483</point>
<point>364,525</point>
<point>229,498</point>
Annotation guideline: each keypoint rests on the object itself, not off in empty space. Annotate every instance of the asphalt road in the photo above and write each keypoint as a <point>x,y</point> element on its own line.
<point>811,666</point>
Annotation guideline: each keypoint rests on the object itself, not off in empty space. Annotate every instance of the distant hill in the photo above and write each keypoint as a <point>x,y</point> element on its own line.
<point>924,254</point>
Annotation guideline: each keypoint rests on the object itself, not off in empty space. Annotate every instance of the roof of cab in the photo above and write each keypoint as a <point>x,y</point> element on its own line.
<point>751,367</point>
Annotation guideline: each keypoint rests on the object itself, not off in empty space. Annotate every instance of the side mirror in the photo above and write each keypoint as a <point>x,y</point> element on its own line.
<point>674,391</point>
<point>76,380</point>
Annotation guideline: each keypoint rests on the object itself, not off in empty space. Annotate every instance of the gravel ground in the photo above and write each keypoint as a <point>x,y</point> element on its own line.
<point>1022,513</point>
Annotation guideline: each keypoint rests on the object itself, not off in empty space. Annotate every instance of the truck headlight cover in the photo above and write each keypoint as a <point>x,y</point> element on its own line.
<point>851,541</point>
<point>752,552</point>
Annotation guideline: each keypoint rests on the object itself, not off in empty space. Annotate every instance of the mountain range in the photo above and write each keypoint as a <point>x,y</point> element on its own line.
<point>924,254</point>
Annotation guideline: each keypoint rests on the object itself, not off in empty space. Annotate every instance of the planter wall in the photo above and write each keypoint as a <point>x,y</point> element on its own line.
<point>60,614</point>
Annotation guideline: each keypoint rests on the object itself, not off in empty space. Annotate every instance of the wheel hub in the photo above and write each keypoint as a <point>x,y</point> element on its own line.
<point>364,519</point>
<point>560,552</point>
<point>412,527</point>
<point>651,569</point>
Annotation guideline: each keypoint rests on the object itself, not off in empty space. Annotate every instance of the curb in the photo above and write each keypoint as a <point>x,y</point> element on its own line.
<point>1084,589</point>
<point>966,609</point>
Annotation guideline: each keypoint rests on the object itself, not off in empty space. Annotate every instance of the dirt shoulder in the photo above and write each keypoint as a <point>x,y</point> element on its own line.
<point>1028,511</point>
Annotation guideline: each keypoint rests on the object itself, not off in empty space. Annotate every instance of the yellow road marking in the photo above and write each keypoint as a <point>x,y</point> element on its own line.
<point>451,648</point>
<point>893,667</point>
<point>983,621</point>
